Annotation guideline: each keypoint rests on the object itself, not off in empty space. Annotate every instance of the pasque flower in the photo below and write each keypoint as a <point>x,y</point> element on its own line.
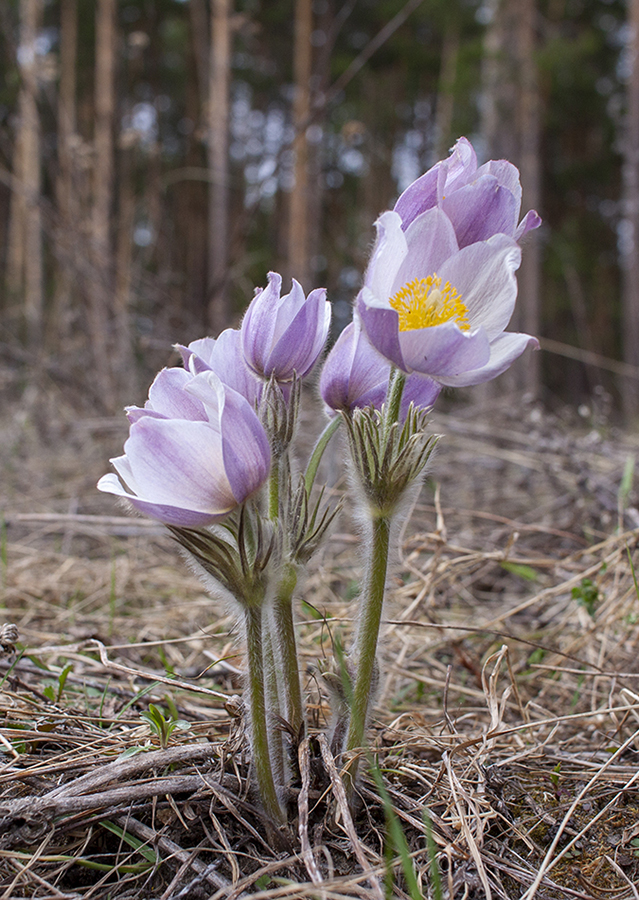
<point>356,375</point>
<point>223,356</point>
<point>432,307</point>
<point>194,454</point>
<point>479,202</point>
<point>284,336</point>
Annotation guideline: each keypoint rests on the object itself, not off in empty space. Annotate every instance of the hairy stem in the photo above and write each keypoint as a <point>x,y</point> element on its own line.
<point>273,705</point>
<point>367,636</point>
<point>274,489</point>
<point>285,630</point>
<point>257,709</point>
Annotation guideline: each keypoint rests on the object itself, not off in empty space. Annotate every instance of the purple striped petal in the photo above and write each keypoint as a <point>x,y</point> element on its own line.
<point>484,275</point>
<point>504,350</point>
<point>481,209</point>
<point>443,350</point>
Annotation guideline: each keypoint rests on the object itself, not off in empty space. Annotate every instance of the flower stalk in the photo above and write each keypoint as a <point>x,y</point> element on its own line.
<point>365,649</point>
<point>285,632</point>
<point>261,749</point>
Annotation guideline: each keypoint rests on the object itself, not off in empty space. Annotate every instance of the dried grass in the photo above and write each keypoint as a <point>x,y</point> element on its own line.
<point>508,715</point>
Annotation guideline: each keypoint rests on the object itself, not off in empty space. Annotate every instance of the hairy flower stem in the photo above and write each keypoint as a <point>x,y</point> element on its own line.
<point>274,489</point>
<point>273,705</point>
<point>372,599</point>
<point>367,636</point>
<point>285,631</point>
<point>257,711</point>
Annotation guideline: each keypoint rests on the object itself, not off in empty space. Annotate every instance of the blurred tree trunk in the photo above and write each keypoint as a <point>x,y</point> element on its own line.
<point>446,90</point>
<point>101,291</point>
<point>629,243</point>
<point>68,207</point>
<point>218,162</point>
<point>298,230</point>
<point>123,354</point>
<point>24,263</point>
<point>510,129</point>
<point>529,162</point>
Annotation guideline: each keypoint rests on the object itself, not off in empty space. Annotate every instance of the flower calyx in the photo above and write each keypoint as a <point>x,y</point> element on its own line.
<point>237,555</point>
<point>388,457</point>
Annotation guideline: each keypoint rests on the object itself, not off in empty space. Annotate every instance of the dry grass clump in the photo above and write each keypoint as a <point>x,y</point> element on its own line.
<point>507,727</point>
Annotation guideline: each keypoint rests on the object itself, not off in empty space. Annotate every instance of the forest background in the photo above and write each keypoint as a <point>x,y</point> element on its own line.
<point>159,157</point>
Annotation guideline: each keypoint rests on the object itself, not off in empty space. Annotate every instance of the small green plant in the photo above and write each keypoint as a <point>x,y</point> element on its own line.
<point>162,727</point>
<point>587,595</point>
<point>53,694</point>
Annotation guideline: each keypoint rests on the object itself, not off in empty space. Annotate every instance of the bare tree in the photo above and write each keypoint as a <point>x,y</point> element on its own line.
<point>529,162</point>
<point>100,292</point>
<point>24,264</point>
<point>218,119</point>
<point>510,130</point>
<point>298,233</point>
<point>629,243</point>
<point>68,209</point>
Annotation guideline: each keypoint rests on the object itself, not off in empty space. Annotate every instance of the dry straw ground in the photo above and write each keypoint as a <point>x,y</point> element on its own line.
<point>508,716</point>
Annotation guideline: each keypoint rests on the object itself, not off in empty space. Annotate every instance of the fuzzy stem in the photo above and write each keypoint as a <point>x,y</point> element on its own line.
<point>273,706</point>
<point>318,451</point>
<point>367,635</point>
<point>257,710</point>
<point>285,630</point>
<point>274,489</point>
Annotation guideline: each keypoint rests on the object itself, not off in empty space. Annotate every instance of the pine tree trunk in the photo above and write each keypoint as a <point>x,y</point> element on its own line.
<point>68,208</point>
<point>529,138</point>
<point>298,233</point>
<point>510,130</point>
<point>218,216</point>
<point>99,300</point>
<point>24,264</point>
<point>629,244</point>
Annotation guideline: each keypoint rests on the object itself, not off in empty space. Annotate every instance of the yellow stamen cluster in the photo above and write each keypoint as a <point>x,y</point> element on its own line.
<point>423,303</point>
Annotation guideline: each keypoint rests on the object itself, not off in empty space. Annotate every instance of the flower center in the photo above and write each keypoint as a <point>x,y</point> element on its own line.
<point>423,303</point>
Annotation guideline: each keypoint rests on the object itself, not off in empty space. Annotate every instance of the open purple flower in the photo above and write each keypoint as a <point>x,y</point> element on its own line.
<point>223,356</point>
<point>432,308</point>
<point>192,471</point>
<point>479,202</point>
<point>356,375</point>
<point>283,336</point>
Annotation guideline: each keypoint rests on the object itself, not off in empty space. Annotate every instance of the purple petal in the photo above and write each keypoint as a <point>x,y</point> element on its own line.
<point>430,241</point>
<point>443,350</point>
<point>388,254</point>
<point>302,342</point>
<point>418,196</point>
<point>531,220</point>
<point>354,373</point>
<point>287,308</point>
<point>458,169</point>
<point>167,396</point>
<point>228,362</point>
<point>170,515</point>
<point>173,470</point>
<point>484,275</point>
<point>506,174</point>
<point>481,209</point>
<point>503,352</point>
<point>382,327</point>
<point>259,322</point>
<point>420,391</point>
<point>245,446</point>
<point>197,356</point>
